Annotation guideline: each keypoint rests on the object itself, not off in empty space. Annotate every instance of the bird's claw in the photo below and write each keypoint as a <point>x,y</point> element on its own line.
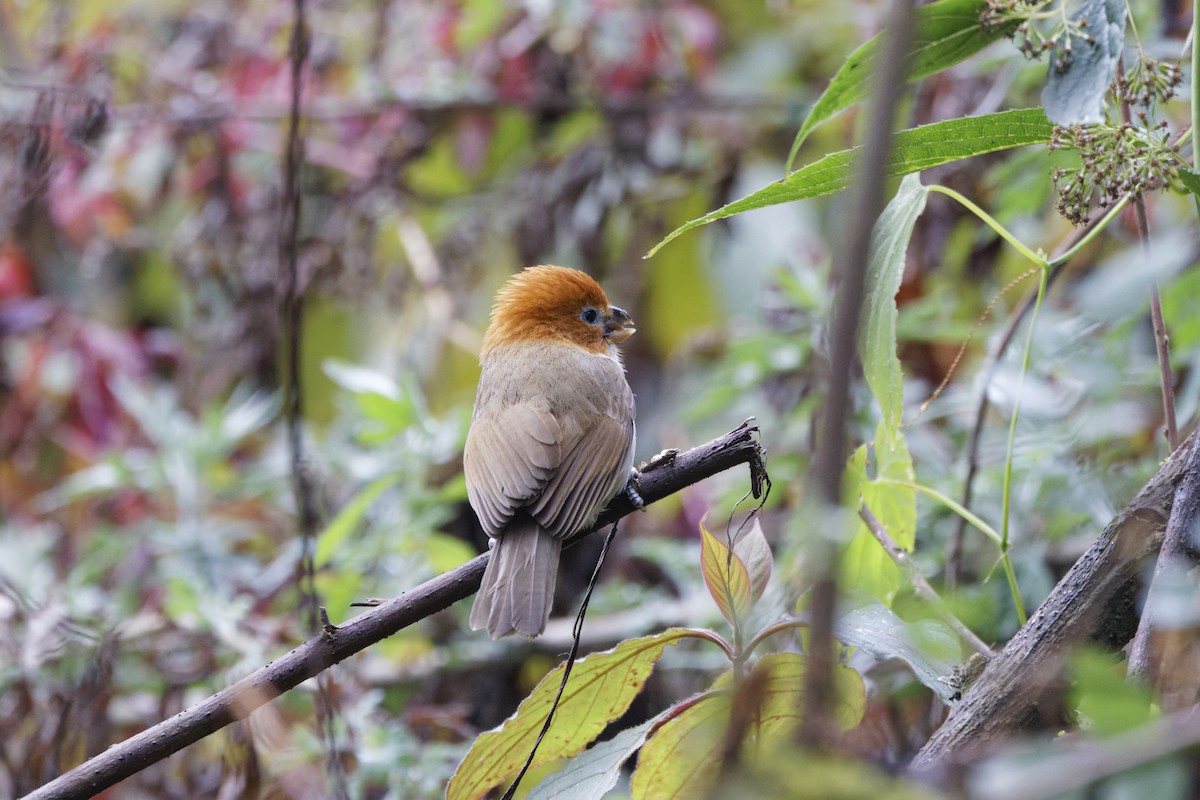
<point>631,492</point>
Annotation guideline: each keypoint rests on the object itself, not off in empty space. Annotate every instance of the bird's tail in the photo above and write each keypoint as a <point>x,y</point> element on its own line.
<point>518,584</point>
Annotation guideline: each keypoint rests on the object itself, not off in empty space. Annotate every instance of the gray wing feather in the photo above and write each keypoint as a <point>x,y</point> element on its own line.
<point>560,447</point>
<point>507,461</point>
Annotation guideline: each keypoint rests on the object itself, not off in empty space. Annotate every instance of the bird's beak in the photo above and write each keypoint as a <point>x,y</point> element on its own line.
<point>619,326</point>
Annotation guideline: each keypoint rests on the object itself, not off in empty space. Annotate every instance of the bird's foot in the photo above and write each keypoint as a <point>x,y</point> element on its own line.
<point>631,492</point>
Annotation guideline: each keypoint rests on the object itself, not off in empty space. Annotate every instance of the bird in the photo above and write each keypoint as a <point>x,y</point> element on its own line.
<point>551,437</point>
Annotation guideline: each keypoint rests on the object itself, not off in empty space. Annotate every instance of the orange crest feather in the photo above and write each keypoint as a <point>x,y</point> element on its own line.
<point>543,303</point>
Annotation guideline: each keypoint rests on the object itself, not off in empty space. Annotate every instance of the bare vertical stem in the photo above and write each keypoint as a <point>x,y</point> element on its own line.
<point>1162,343</point>
<point>850,269</point>
<point>293,324</point>
<point>1161,340</point>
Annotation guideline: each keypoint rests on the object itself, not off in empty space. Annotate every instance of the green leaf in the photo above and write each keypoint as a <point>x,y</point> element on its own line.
<point>754,551</point>
<point>1104,701</point>
<point>682,758</point>
<point>478,21</point>
<point>946,32</point>
<point>600,690</point>
<point>1190,181</point>
<point>865,565</point>
<point>726,576</point>
<point>930,648</point>
<point>1074,94</point>
<point>913,150</point>
<point>447,552</point>
<point>881,365</point>
<point>589,775</point>
<point>348,518</point>
<point>783,698</point>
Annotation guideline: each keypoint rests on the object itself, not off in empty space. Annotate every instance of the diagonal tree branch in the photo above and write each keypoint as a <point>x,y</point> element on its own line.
<point>1017,684</point>
<point>662,478</point>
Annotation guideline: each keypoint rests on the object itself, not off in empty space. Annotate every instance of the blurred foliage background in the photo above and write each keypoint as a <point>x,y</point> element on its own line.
<point>148,546</point>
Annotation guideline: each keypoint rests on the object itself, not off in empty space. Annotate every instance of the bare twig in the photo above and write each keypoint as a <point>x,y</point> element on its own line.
<point>850,270</point>
<point>921,586</point>
<point>335,644</point>
<point>1161,340</point>
<point>293,322</point>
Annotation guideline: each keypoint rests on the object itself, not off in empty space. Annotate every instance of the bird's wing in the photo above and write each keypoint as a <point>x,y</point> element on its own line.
<point>508,460</point>
<point>594,468</point>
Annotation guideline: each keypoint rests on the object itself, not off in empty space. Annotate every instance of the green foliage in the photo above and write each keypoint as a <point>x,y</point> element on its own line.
<point>679,751</point>
<point>946,32</point>
<point>148,551</point>
<point>1103,701</point>
<point>1085,63</point>
<point>683,758</point>
<point>912,150</point>
<point>602,687</point>
<point>865,565</point>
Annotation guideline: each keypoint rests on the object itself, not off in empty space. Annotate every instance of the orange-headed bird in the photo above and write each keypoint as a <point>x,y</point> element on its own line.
<point>551,438</point>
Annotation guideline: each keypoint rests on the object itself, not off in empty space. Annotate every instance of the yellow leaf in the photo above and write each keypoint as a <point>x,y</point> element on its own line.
<point>752,549</point>
<point>681,760</point>
<point>726,576</point>
<point>600,690</point>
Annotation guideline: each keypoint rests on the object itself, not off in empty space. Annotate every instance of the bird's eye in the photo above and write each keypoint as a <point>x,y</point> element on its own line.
<point>590,315</point>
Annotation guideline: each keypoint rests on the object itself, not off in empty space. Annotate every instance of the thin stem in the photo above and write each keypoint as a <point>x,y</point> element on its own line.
<point>771,630</point>
<point>1006,506</point>
<point>962,511</point>
<point>1079,240</point>
<point>1195,87</point>
<point>921,586</point>
<point>1161,340</point>
<point>829,462</point>
<point>1162,346</point>
<point>1091,232</point>
<point>991,222</point>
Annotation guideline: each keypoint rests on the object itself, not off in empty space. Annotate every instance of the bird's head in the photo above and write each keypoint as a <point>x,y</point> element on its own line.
<point>556,304</point>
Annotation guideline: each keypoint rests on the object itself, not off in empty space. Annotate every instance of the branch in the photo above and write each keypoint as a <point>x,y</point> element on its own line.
<point>1011,690</point>
<point>1160,652</point>
<point>1078,762</point>
<point>336,643</point>
<point>903,559</point>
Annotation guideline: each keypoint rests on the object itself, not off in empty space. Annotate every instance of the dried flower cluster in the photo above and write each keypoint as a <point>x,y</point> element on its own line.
<point>1117,158</point>
<point>1038,27</point>
<point>1149,81</point>
<point>1114,160</point>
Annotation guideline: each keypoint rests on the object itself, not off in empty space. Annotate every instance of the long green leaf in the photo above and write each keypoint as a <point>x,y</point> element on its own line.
<point>947,32</point>
<point>913,150</point>
<point>865,565</point>
<point>881,365</point>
